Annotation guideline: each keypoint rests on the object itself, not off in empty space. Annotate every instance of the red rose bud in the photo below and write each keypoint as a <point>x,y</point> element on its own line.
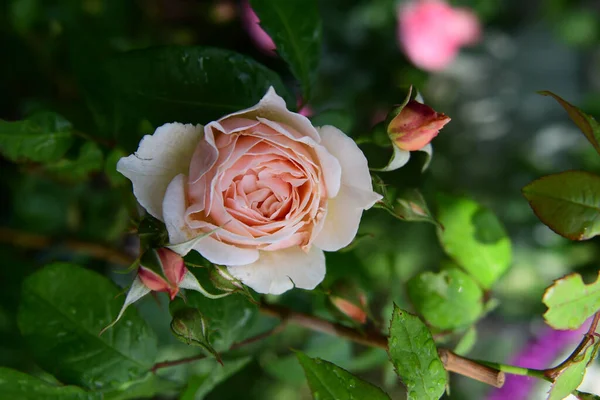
<point>173,269</point>
<point>350,301</point>
<point>415,126</point>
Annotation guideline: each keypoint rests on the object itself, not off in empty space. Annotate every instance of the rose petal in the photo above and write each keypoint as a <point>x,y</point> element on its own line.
<point>210,248</point>
<point>355,170</point>
<point>159,158</point>
<point>278,271</point>
<point>172,264</point>
<point>273,108</point>
<point>343,217</point>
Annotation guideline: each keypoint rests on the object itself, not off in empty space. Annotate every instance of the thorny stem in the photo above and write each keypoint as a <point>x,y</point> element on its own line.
<point>484,371</point>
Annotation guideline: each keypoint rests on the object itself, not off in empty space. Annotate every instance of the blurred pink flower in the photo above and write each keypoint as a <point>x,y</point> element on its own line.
<point>251,22</point>
<point>431,32</point>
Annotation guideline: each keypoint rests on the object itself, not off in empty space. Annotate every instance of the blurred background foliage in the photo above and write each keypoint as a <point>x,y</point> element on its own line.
<point>502,136</point>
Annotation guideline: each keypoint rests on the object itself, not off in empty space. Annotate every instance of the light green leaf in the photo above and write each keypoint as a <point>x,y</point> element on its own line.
<point>63,308</point>
<point>200,385</point>
<point>571,302</point>
<point>447,300</point>
<point>327,381</point>
<point>474,237</point>
<point>295,27</point>
<point>414,355</point>
<point>466,343</point>
<point>227,319</point>
<point>571,377</point>
<point>586,123</point>
<point>43,137</point>
<point>184,84</point>
<point>568,202</point>
<point>17,385</point>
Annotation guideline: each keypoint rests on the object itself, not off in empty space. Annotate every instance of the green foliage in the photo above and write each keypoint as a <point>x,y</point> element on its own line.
<point>295,27</point>
<point>90,159</point>
<point>572,375</point>
<point>110,167</point>
<point>474,237</point>
<point>571,302</point>
<point>189,326</point>
<point>227,319</point>
<point>586,123</point>
<point>466,342</point>
<point>183,84</point>
<point>17,385</point>
<point>568,202</point>
<point>44,137</point>
<point>199,385</point>
<point>414,355</point>
<point>63,309</point>
<point>327,381</point>
<point>449,299</point>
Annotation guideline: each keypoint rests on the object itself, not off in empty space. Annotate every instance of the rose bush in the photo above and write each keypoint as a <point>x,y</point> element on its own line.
<point>280,190</point>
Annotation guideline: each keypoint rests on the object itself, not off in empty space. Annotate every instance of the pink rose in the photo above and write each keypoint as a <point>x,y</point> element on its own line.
<point>277,190</point>
<point>431,32</point>
<point>415,126</point>
<point>252,24</point>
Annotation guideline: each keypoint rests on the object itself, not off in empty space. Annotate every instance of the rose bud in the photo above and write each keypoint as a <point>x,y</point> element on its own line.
<point>223,280</point>
<point>252,25</point>
<point>164,271</point>
<point>415,126</point>
<point>347,299</point>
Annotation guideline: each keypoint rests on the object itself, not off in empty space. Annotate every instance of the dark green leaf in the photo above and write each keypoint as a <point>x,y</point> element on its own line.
<point>447,300</point>
<point>586,123</point>
<point>19,386</point>
<point>152,232</point>
<point>327,381</point>
<point>148,387</point>
<point>568,202</point>
<point>43,137</point>
<point>571,302</point>
<point>227,319</point>
<point>474,238</point>
<point>414,355</point>
<point>295,27</point>
<point>200,385</point>
<point>183,84</point>
<point>571,377</point>
<point>63,309</point>
<point>90,159</point>
<point>110,167</point>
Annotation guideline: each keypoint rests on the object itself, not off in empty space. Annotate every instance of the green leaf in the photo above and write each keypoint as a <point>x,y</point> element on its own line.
<point>90,159</point>
<point>466,343</point>
<point>568,202</point>
<point>183,84</point>
<point>327,381</point>
<point>571,377</point>
<point>414,355</point>
<point>586,123</point>
<point>227,319</point>
<point>43,137</point>
<point>474,237</point>
<point>17,385</point>
<point>63,308</point>
<point>447,300</point>
<point>110,168</point>
<point>149,386</point>
<point>200,385</point>
<point>295,27</point>
<point>571,302</point>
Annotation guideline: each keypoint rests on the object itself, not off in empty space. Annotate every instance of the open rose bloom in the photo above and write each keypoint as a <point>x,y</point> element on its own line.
<point>274,191</point>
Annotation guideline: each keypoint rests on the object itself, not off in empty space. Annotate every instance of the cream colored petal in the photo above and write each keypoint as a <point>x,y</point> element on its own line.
<point>343,217</point>
<point>278,271</point>
<point>158,159</point>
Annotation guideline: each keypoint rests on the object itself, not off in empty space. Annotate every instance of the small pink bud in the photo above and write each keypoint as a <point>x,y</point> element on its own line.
<point>415,126</point>
<point>173,269</point>
<point>252,24</point>
<point>351,310</point>
<point>348,299</point>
